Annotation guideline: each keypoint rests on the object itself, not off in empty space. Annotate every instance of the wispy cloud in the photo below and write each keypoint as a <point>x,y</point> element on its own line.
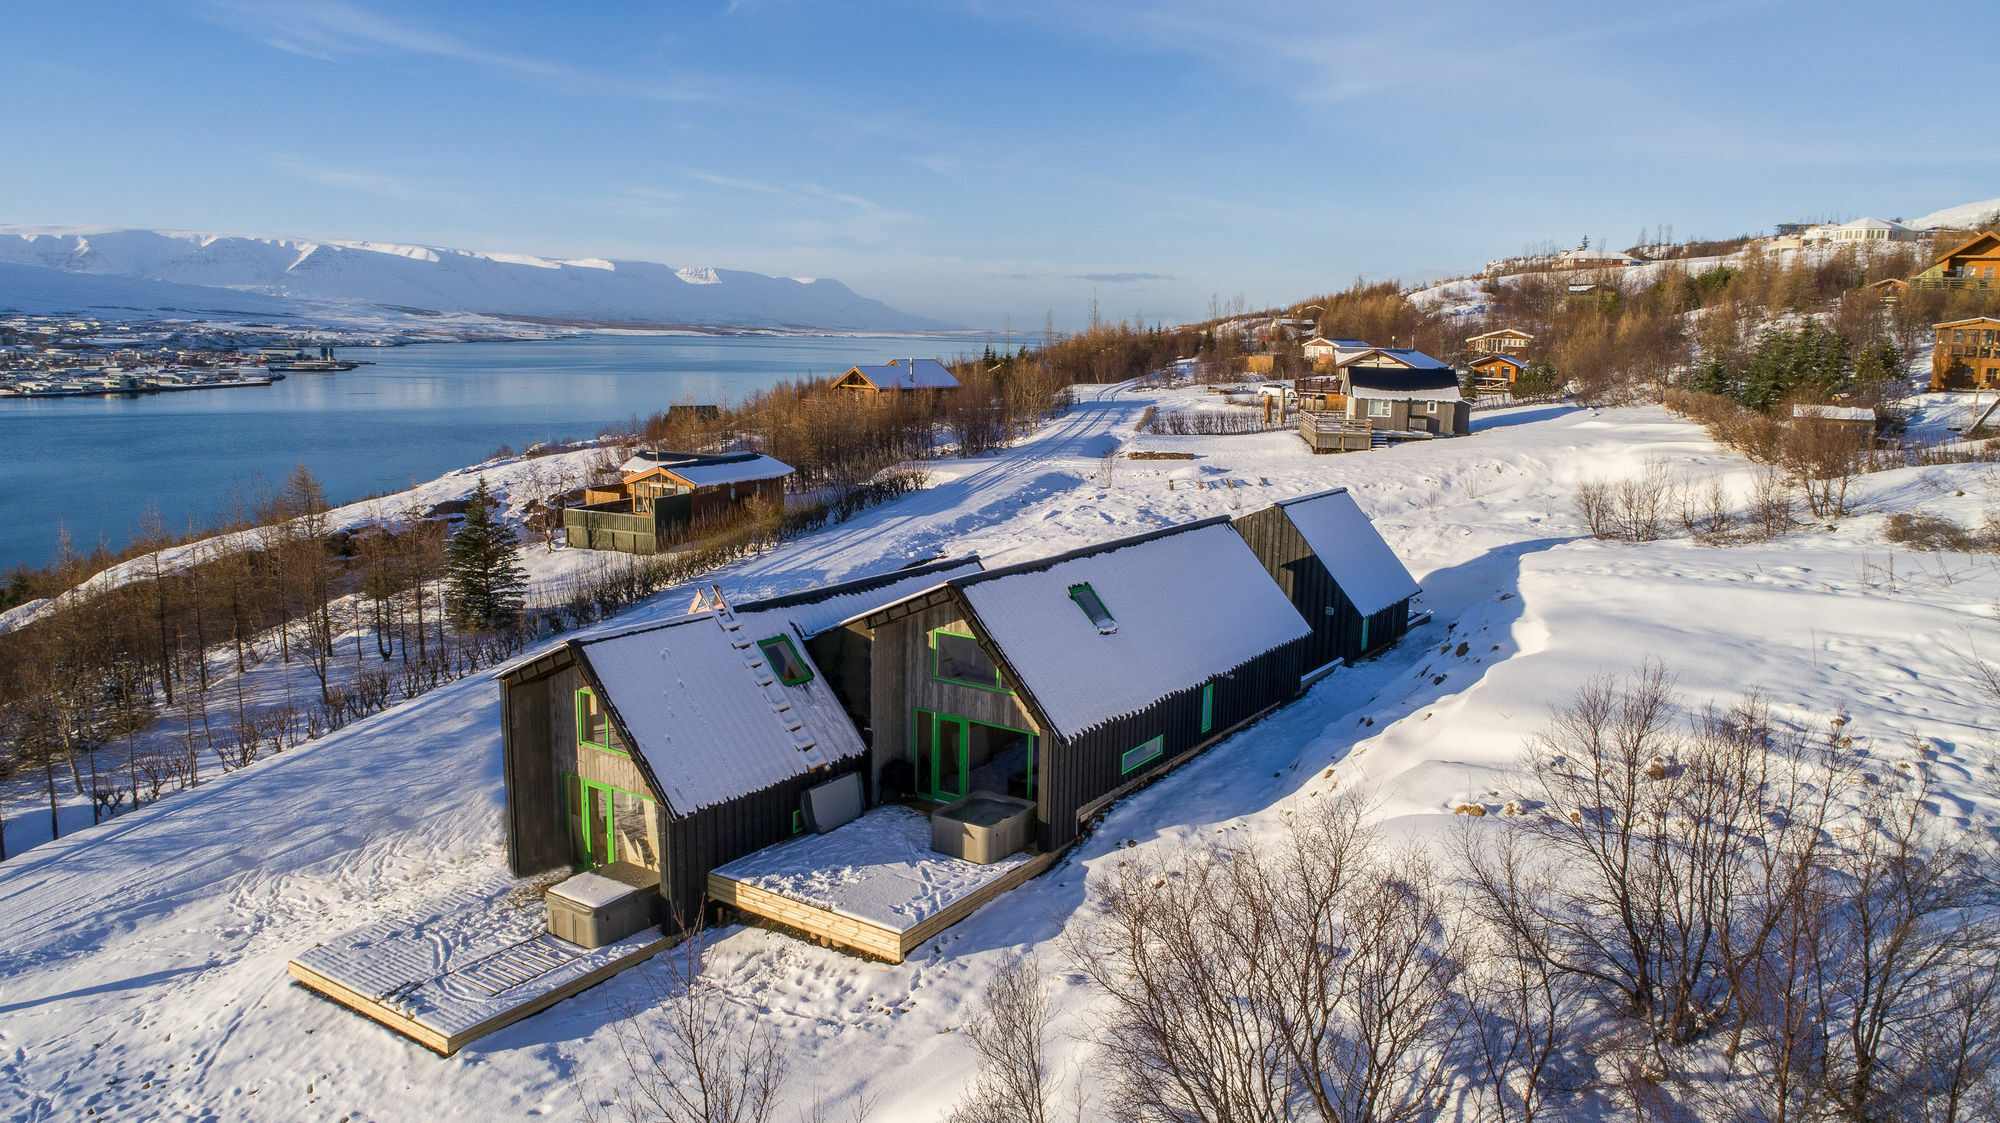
<point>1121,278</point>
<point>334,30</point>
<point>365,181</point>
<point>853,217</point>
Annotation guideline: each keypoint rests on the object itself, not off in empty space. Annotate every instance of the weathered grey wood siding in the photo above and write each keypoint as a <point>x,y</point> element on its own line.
<point>904,682</point>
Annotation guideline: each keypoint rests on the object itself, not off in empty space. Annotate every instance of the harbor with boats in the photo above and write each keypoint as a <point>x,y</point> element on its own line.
<point>60,357</point>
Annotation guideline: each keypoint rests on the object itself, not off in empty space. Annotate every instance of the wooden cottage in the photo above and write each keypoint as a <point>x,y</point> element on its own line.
<point>1497,371</point>
<point>666,751</point>
<point>897,375</point>
<point>1855,421</point>
<point>1341,576</point>
<point>1069,681</point>
<point>1967,355</point>
<point>1973,263</point>
<point>1502,342</point>
<point>663,495</point>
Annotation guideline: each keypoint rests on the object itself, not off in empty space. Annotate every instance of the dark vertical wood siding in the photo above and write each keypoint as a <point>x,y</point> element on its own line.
<point>537,838</point>
<point>845,657</point>
<point>1073,775</point>
<point>1277,543</point>
<point>716,836</point>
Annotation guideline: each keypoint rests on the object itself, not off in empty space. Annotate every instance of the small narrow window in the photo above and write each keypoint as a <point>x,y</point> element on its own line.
<point>1208,707</point>
<point>1087,599</point>
<point>798,822</point>
<point>1141,756</point>
<point>1364,633</point>
<point>785,661</point>
<point>593,725</point>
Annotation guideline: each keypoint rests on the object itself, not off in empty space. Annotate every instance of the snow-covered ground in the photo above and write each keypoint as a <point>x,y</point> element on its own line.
<point>142,963</point>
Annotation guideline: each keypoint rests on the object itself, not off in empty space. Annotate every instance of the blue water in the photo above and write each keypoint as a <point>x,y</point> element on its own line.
<point>94,464</point>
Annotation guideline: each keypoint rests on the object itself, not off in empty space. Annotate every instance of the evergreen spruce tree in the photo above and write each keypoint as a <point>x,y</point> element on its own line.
<point>483,582</point>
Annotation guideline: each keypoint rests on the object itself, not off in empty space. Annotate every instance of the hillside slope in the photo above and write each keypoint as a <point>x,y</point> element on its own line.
<point>145,958</point>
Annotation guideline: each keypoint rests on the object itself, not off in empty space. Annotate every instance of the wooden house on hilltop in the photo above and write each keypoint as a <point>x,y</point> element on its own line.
<point>897,375</point>
<point>1503,341</point>
<point>1967,354</point>
<point>662,495</point>
<point>1973,263</point>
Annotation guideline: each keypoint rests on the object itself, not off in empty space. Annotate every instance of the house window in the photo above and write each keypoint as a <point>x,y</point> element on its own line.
<point>1141,756</point>
<point>784,659</point>
<point>593,725</point>
<point>1380,407</point>
<point>1208,707</point>
<point>1087,599</point>
<point>958,658</point>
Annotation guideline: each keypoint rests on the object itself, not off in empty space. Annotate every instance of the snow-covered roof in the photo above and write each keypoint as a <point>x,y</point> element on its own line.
<point>1189,604</point>
<point>700,703</point>
<point>1351,549</point>
<point>1834,413</point>
<point>709,471</point>
<point>1599,255</point>
<point>1870,224</point>
<point>815,610</point>
<point>908,374</point>
<point>1400,356</point>
<point>1512,333</point>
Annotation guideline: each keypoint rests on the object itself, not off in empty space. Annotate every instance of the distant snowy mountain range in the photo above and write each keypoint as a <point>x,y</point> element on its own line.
<point>46,269</point>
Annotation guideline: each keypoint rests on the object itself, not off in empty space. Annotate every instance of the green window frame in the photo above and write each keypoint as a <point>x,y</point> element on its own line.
<point>1093,606</point>
<point>784,660</point>
<point>593,718</point>
<point>997,684</point>
<point>798,822</point>
<point>1364,633</point>
<point>1208,707</point>
<point>1143,755</point>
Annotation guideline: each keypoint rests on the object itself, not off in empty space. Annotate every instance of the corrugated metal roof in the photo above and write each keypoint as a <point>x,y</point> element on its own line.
<point>1352,550</point>
<point>1189,604</point>
<point>703,706</point>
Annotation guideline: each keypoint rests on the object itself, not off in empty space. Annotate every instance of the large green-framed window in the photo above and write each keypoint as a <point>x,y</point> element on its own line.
<point>957,658</point>
<point>608,824</point>
<point>1087,599</point>
<point>784,659</point>
<point>1143,755</point>
<point>1208,707</point>
<point>593,724</point>
<point>951,755</point>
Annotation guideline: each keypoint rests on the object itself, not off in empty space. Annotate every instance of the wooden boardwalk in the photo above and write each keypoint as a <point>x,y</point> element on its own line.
<point>445,997</point>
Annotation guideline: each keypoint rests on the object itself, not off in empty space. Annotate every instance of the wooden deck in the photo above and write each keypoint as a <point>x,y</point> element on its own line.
<point>392,974</point>
<point>868,937</point>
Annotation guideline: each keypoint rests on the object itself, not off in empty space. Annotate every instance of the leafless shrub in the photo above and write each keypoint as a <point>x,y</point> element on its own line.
<point>1823,458</point>
<point>685,1056</point>
<point>1640,503</point>
<point>1015,1083</point>
<point>1931,532</point>
<point>1704,509</point>
<point>1594,502</point>
<point>1310,980</point>
<point>1770,503</point>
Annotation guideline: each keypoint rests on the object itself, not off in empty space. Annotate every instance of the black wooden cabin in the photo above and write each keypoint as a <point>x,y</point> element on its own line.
<point>1341,576</point>
<point>1072,680</point>
<point>673,748</point>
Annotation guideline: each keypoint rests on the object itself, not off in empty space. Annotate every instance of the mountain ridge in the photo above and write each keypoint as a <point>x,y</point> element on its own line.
<point>322,274</point>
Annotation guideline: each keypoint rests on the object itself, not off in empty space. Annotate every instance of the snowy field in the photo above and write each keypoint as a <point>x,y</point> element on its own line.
<point>142,963</point>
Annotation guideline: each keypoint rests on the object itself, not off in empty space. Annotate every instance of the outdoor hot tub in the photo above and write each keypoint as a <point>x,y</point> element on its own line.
<point>984,827</point>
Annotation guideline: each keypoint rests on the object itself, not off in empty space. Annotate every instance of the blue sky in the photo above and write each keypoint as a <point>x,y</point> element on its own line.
<point>993,163</point>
